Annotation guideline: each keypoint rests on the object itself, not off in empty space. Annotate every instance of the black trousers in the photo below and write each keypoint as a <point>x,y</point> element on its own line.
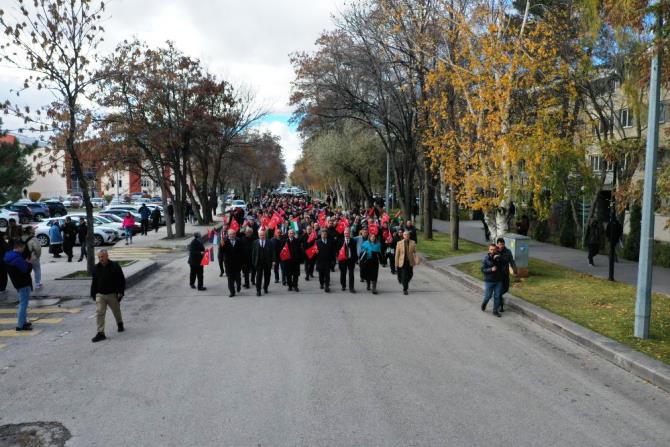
<point>3,276</point>
<point>263,276</point>
<point>246,270</point>
<point>347,270</point>
<point>505,284</point>
<point>390,258</point>
<point>144,225</point>
<point>68,244</point>
<point>593,251</point>
<point>83,253</point>
<point>234,280</point>
<point>309,267</point>
<point>324,277</point>
<point>405,274</point>
<point>221,269</point>
<point>292,270</point>
<point>196,272</point>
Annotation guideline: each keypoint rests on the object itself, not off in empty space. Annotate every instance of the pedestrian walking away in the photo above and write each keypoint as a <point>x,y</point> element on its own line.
<point>233,253</point>
<point>262,259</point>
<point>69,238</point>
<point>128,224</point>
<point>506,263</point>
<point>145,214</point>
<point>18,269</point>
<point>405,260</point>
<point>55,240</point>
<point>347,256</point>
<point>33,252</point>
<point>82,230</point>
<point>196,251</point>
<point>108,287</point>
<point>593,238</point>
<point>155,219</point>
<point>491,267</point>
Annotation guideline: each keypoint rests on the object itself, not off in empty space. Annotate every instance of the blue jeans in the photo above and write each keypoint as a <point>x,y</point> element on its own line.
<point>37,270</point>
<point>495,289</point>
<point>24,296</point>
<point>129,234</point>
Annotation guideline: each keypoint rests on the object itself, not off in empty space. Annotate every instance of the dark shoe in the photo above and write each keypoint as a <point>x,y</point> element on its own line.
<point>192,286</point>
<point>99,337</point>
<point>80,259</point>
<point>283,283</point>
<point>246,286</point>
<point>276,281</point>
<point>483,307</point>
<point>290,288</point>
<point>238,290</point>
<point>368,287</point>
<point>344,289</point>
<point>374,291</point>
<point>296,289</point>
<point>321,286</point>
<point>231,295</point>
<point>202,288</point>
<point>220,274</point>
<point>69,259</point>
<point>266,291</point>
<point>405,292</point>
<point>496,313</point>
<point>362,280</point>
<point>120,327</point>
<point>502,309</point>
<point>25,327</point>
<point>327,289</point>
<point>352,290</point>
<point>258,293</point>
<point>306,278</point>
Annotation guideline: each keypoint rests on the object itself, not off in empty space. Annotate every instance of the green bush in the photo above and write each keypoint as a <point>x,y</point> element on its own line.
<point>541,231</point>
<point>661,254</point>
<point>567,236</point>
<point>631,246</point>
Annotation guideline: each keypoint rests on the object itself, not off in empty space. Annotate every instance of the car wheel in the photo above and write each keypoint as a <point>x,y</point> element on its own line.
<point>3,223</point>
<point>97,240</point>
<point>43,239</point>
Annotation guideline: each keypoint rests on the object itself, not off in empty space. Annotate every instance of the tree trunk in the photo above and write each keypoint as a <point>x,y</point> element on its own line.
<point>497,222</point>
<point>429,190</point>
<point>454,219</point>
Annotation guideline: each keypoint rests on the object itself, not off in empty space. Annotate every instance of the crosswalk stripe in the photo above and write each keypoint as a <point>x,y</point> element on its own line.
<point>15,333</point>
<point>33,320</point>
<point>45,310</point>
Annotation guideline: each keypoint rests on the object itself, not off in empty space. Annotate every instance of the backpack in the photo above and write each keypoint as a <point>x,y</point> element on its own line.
<point>27,252</point>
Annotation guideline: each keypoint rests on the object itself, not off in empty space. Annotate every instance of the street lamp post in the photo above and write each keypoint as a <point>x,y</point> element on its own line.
<point>644,274</point>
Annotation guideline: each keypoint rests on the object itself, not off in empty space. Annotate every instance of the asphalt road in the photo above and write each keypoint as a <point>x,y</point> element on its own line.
<point>310,369</point>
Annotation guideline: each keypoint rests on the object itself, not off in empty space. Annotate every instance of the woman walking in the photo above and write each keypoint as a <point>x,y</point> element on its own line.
<point>34,248</point>
<point>372,252</point>
<point>128,224</point>
<point>55,240</point>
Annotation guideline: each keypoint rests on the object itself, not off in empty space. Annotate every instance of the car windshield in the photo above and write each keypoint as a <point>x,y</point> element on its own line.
<point>113,218</point>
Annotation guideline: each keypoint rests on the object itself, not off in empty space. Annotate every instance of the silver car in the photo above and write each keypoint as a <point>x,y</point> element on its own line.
<point>101,234</point>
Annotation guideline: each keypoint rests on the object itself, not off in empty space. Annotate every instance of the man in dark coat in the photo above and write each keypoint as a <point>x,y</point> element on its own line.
<point>292,266</point>
<point>308,239</point>
<point>196,251</point>
<point>247,241</point>
<point>325,259</point>
<point>506,261</point>
<point>82,229</point>
<point>233,252</point>
<point>593,236</point>
<point>347,265</point>
<point>155,219</point>
<point>18,269</point>
<point>107,289</point>
<point>262,257</point>
<point>69,237</point>
<point>278,242</point>
<point>491,268</point>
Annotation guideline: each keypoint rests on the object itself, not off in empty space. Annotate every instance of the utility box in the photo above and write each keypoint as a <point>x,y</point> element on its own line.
<point>518,245</point>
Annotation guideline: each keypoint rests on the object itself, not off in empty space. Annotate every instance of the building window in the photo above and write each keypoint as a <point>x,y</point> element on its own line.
<point>626,118</point>
<point>75,183</point>
<point>596,163</point>
<point>146,183</point>
<point>120,183</point>
<point>600,127</point>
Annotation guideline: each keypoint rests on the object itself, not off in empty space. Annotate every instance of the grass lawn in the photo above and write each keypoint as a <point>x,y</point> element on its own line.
<point>83,274</point>
<point>600,305</point>
<point>440,247</point>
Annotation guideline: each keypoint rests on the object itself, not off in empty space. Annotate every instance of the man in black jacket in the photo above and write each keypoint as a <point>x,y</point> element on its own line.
<point>196,250</point>
<point>233,252</point>
<point>506,261</point>
<point>292,266</point>
<point>247,241</point>
<point>262,257</point>
<point>278,241</point>
<point>348,264</point>
<point>491,266</point>
<point>325,259</point>
<point>107,289</point>
<point>82,229</point>
<point>69,237</point>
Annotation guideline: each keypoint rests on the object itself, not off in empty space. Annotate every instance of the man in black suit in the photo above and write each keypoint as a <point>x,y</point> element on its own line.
<point>347,265</point>
<point>196,250</point>
<point>247,241</point>
<point>325,259</point>
<point>233,252</point>
<point>292,266</point>
<point>262,257</point>
<point>306,244</point>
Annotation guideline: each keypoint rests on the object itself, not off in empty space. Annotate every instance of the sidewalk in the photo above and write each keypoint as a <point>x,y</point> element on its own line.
<point>624,271</point>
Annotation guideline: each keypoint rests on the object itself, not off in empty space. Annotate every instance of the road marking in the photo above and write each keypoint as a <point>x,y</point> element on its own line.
<point>45,310</point>
<point>2,345</point>
<point>33,320</point>
<point>15,333</point>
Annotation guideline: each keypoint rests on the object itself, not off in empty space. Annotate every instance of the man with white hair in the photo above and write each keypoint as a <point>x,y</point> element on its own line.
<point>233,252</point>
<point>107,289</point>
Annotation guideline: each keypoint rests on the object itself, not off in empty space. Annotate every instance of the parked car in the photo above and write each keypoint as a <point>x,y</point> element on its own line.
<point>119,220</point>
<point>134,197</point>
<point>39,209</point>
<point>237,204</point>
<point>98,202</point>
<point>56,208</point>
<point>157,200</point>
<point>101,234</point>
<point>100,220</point>
<point>5,215</point>
<point>122,212</point>
<point>142,200</point>
<point>72,201</point>
<point>25,214</point>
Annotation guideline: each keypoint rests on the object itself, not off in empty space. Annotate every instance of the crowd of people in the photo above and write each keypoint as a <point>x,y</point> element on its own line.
<point>293,237</point>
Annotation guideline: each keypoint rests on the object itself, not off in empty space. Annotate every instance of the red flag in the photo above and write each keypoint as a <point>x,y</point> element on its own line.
<point>385,217</point>
<point>371,212</point>
<point>387,236</point>
<point>205,259</point>
<point>398,214</point>
<point>373,229</point>
<point>285,253</point>
<point>342,255</point>
<point>234,226</point>
<point>311,251</point>
<point>265,221</point>
<point>281,212</point>
<point>312,237</point>
<point>340,227</point>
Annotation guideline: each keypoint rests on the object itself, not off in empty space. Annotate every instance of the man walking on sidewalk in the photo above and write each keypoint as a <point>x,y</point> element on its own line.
<point>261,261</point>
<point>506,261</point>
<point>492,279</point>
<point>107,289</point>
<point>145,214</point>
<point>196,250</point>
<point>19,269</point>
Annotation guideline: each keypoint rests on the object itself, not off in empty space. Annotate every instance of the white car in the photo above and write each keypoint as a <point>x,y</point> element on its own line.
<point>5,215</point>
<point>101,234</point>
<point>98,202</point>
<point>237,204</point>
<point>100,220</point>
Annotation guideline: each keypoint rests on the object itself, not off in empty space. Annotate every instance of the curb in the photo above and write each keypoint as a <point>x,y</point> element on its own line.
<point>643,366</point>
<point>141,274</point>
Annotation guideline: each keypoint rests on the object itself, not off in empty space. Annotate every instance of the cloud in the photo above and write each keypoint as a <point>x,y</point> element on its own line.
<point>289,139</point>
